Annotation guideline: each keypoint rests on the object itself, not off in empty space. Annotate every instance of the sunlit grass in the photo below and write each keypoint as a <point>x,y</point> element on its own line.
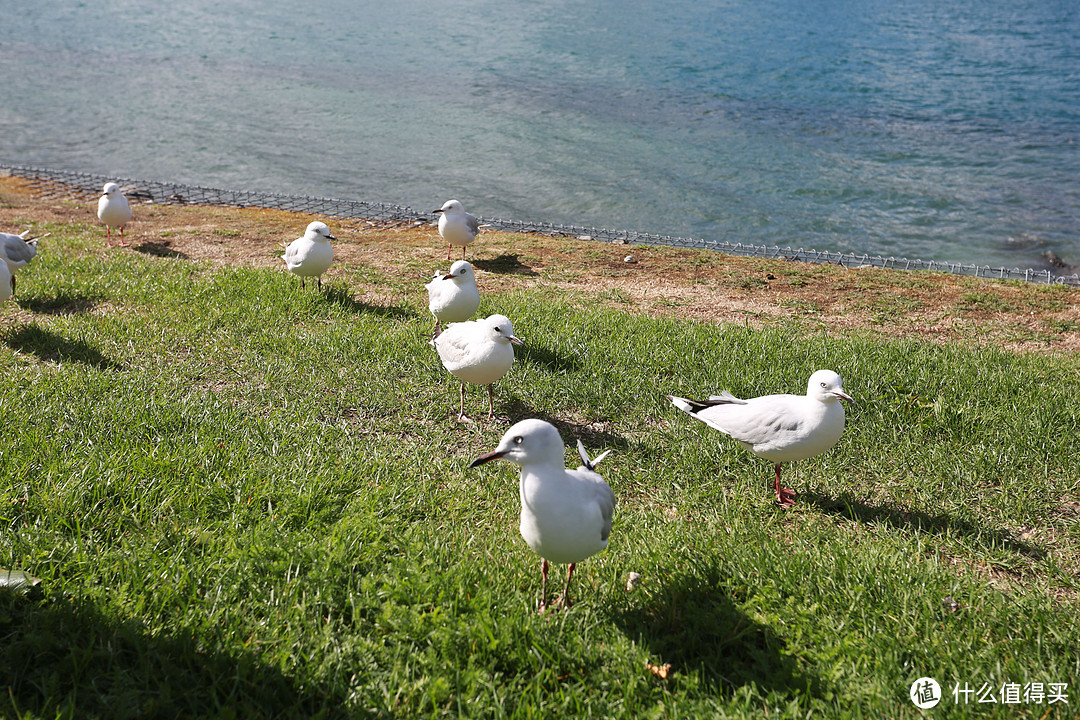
<point>248,500</point>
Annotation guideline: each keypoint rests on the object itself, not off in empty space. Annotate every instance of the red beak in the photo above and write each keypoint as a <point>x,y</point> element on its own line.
<point>493,455</point>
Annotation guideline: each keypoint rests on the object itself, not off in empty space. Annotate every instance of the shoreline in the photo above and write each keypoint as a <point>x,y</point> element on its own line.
<point>47,183</point>
<point>702,285</point>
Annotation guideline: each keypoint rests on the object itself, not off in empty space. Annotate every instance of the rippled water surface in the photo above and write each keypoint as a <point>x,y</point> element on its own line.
<point>919,129</point>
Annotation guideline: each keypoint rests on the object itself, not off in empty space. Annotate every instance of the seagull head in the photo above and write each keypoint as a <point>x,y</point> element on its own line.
<point>825,385</point>
<point>461,271</point>
<point>111,189</point>
<point>451,207</point>
<point>318,231</point>
<point>502,329</point>
<point>529,442</point>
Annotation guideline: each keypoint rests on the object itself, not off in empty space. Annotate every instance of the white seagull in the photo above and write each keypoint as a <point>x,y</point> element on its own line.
<point>17,251</point>
<point>453,297</point>
<point>565,514</point>
<point>456,226</point>
<point>478,352</point>
<point>310,255</point>
<point>113,210</point>
<point>778,428</point>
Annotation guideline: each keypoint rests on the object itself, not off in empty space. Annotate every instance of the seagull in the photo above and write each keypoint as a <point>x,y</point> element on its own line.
<point>478,352</point>
<point>456,226</point>
<point>565,514</point>
<point>453,297</point>
<point>17,251</point>
<point>311,255</point>
<point>6,284</point>
<point>113,210</point>
<point>779,428</point>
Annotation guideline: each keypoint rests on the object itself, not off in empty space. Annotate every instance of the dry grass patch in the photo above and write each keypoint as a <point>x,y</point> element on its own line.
<point>706,286</point>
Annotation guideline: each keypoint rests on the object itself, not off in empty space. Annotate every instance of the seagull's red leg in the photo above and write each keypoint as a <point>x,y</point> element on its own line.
<point>461,410</point>
<point>565,599</point>
<point>784,496</point>
<point>491,401</point>
<point>122,243</point>
<point>448,249</point>
<point>543,584</point>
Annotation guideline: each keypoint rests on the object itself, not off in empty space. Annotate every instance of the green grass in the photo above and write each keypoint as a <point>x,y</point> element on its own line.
<point>244,500</point>
<point>985,301</point>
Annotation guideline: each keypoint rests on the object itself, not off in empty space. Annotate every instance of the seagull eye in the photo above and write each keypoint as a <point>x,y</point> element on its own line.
<point>518,440</point>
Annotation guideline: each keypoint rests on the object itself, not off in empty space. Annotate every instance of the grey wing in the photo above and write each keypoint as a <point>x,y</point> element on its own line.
<point>605,497</point>
<point>17,250</point>
<point>454,349</point>
<point>473,222</point>
<point>726,397</point>
<point>291,252</point>
<point>752,423</point>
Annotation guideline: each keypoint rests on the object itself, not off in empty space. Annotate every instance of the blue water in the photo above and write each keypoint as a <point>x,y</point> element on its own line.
<point>917,128</point>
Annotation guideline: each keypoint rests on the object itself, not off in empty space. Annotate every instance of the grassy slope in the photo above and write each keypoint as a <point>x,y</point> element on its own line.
<point>245,499</point>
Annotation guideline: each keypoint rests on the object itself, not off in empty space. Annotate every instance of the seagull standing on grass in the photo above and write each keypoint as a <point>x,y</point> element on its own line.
<point>456,226</point>
<point>453,297</point>
<point>565,514</point>
<point>17,251</point>
<point>478,352</point>
<point>310,255</point>
<point>113,210</point>
<point>778,428</point>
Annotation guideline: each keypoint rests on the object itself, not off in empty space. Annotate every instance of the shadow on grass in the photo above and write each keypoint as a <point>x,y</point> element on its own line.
<point>160,249</point>
<point>63,303</point>
<point>339,295</point>
<point>65,658</point>
<point>51,347</point>
<point>545,357</point>
<point>914,521</point>
<point>596,441</point>
<point>506,264</point>
<point>691,623</point>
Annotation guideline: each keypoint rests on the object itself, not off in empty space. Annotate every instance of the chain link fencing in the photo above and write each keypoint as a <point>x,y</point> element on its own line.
<point>49,183</point>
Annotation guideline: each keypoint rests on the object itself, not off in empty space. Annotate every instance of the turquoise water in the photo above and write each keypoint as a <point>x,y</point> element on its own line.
<point>913,128</point>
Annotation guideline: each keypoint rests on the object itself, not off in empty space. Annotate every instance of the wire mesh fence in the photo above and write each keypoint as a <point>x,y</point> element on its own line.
<point>60,183</point>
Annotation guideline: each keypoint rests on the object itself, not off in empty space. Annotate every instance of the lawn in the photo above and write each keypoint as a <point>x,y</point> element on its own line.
<point>246,500</point>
